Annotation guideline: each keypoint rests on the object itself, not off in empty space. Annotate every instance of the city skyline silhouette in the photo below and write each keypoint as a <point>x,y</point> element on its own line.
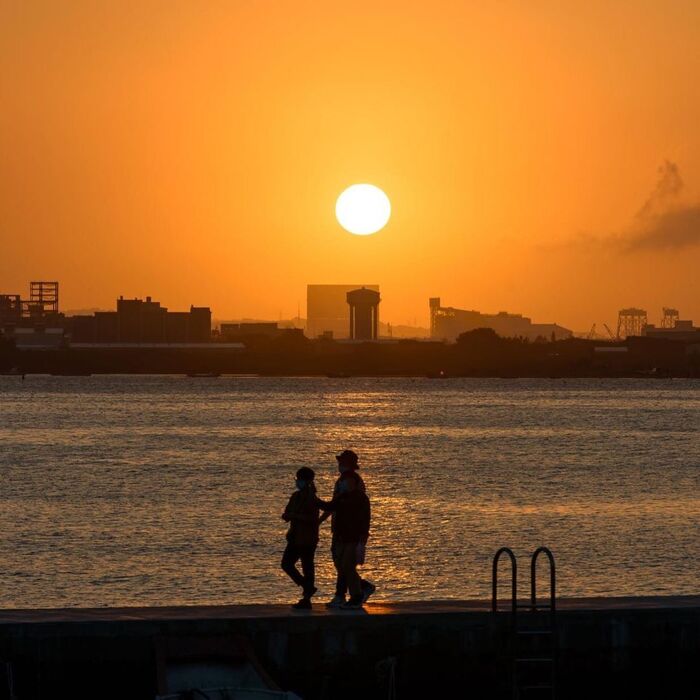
<point>546,165</point>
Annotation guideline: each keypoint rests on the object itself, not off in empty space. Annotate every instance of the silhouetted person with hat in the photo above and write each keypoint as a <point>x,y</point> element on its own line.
<point>351,513</point>
<point>302,538</point>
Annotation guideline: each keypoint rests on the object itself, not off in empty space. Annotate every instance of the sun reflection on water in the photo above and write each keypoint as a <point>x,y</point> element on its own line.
<point>157,490</point>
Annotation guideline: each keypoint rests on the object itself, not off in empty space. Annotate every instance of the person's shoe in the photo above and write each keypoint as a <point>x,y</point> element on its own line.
<point>355,603</point>
<point>338,601</point>
<point>303,604</point>
<point>367,591</point>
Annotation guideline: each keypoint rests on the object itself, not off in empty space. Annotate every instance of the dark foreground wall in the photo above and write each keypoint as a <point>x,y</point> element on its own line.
<point>627,648</point>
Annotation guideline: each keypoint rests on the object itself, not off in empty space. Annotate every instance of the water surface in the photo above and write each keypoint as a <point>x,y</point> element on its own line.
<point>168,490</point>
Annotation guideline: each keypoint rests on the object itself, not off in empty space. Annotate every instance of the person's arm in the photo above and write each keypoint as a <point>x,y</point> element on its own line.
<point>306,511</point>
<point>331,506</point>
<point>366,518</point>
<point>327,506</point>
<point>287,514</point>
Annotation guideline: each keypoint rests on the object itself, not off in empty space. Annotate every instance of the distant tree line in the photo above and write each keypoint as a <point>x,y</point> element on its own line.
<point>478,353</point>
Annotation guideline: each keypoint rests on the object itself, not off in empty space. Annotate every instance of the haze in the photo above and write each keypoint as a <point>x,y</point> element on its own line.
<point>194,152</point>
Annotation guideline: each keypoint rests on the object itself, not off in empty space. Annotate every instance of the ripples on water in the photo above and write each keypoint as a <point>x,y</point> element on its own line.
<point>168,490</point>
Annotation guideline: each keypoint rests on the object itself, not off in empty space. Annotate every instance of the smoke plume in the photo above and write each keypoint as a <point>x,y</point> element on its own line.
<point>663,222</point>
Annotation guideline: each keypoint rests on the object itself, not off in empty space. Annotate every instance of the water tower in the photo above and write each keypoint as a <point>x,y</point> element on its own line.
<point>364,314</point>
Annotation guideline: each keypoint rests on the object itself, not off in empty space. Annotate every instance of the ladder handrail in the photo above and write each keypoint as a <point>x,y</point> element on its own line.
<point>514,579</point>
<point>534,608</point>
<point>552,577</point>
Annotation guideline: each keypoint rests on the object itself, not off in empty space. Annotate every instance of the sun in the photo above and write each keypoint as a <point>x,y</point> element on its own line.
<point>363,209</point>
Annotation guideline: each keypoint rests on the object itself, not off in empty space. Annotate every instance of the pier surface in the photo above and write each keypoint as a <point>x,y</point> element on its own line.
<point>259,612</point>
<point>633,646</point>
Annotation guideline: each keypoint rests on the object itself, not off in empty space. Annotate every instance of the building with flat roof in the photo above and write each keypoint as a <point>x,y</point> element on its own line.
<point>448,323</point>
<point>247,330</point>
<point>137,322</point>
<point>10,309</point>
<point>327,309</point>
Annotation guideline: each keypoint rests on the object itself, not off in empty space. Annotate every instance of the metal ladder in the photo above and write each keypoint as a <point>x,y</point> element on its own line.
<point>533,667</point>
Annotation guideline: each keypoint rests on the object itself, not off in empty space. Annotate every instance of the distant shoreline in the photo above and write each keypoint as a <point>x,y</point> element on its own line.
<point>308,375</point>
<point>474,356</point>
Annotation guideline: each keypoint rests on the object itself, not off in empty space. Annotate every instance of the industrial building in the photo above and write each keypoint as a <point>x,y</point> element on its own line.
<point>34,321</point>
<point>41,306</point>
<point>143,322</point>
<point>327,310</point>
<point>672,327</point>
<point>634,322</point>
<point>448,323</point>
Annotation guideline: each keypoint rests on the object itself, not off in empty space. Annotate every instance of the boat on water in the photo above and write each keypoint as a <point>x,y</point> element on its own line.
<point>204,375</point>
<point>71,374</point>
<point>217,668</point>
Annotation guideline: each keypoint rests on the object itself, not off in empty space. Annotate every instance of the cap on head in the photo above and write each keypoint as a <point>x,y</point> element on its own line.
<point>306,474</point>
<point>348,457</point>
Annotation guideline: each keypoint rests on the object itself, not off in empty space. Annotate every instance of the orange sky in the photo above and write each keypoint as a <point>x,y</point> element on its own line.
<point>194,152</point>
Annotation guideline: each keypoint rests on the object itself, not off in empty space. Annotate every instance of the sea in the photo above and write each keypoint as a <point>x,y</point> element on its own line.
<point>169,490</point>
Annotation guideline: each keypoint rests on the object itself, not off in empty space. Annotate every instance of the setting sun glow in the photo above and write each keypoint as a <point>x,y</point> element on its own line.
<point>509,136</point>
<point>363,209</point>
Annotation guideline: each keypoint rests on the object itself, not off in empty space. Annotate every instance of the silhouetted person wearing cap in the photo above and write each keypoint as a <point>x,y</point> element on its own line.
<point>350,523</point>
<point>302,538</point>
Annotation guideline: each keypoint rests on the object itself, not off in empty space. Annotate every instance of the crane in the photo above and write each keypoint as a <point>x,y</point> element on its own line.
<point>610,333</point>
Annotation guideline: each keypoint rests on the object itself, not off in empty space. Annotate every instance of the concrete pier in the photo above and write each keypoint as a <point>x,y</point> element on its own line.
<point>624,647</point>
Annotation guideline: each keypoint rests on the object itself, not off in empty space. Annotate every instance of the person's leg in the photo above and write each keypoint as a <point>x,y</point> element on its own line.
<point>289,559</point>
<point>307,566</point>
<point>341,585</point>
<point>348,562</point>
<point>368,588</point>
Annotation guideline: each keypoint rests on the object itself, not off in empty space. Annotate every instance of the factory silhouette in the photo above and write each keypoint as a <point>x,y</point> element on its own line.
<point>342,335</point>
